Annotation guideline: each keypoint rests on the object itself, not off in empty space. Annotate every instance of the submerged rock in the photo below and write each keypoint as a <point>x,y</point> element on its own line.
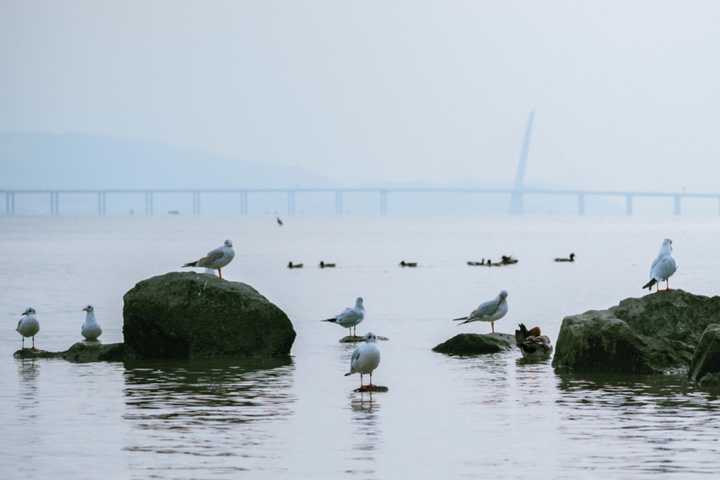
<point>656,333</point>
<point>85,352</point>
<point>193,315</point>
<point>706,360</point>
<point>476,344</point>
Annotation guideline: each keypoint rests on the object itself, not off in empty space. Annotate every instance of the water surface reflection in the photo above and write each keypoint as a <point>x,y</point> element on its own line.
<point>651,424</point>
<point>203,414</point>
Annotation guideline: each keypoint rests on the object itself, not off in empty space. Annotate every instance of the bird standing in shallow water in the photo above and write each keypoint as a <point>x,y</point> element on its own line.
<point>91,328</point>
<point>489,311</point>
<point>216,259</point>
<point>365,359</point>
<point>350,317</point>
<point>28,327</point>
<point>662,267</point>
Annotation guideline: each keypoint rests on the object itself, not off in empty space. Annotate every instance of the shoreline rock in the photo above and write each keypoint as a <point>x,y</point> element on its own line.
<point>476,344</point>
<point>82,352</point>
<point>194,315</point>
<point>656,333</point>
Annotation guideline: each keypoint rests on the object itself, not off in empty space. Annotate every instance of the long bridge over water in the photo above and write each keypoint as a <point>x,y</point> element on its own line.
<point>517,195</point>
<point>384,196</point>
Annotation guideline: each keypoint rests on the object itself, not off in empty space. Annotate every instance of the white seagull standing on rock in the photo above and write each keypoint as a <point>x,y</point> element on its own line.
<point>216,259</point>
<point>91,328</point>
<point>662,267</point>
<point>28,326</point>
<point>489,311</point>
<point>365,359</point>
<point>350,317</point>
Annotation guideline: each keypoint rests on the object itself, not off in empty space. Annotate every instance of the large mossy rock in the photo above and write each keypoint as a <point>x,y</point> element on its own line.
<point>705,365</point>
<point>476,344</point>
<point>194,315</point>
<point>656,333</point>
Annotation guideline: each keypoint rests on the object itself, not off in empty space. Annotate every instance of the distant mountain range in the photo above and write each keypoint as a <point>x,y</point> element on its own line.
<point>40,161</point>
<point>77,161</point>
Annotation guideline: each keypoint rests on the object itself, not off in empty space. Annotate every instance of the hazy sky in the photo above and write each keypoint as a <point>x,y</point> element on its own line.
<point>626,93</point>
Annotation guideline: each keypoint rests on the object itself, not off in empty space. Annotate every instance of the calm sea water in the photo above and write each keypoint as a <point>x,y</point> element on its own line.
<point>443,417</point>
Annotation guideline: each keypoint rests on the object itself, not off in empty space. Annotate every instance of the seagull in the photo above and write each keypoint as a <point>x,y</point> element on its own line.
<point>489,311</point>
<point>571,259</point>
<point>91,328</point>
<point>216,259</point>
<point>662,267</point>
<point>28,326</point>
<point>365,359</point>
<point>350,317</point>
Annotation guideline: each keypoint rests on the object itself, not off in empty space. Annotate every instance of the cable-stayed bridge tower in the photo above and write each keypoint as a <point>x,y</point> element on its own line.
<point>516,201</point>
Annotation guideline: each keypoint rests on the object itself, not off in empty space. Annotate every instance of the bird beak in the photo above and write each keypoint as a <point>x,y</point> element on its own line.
<point>24,313</point>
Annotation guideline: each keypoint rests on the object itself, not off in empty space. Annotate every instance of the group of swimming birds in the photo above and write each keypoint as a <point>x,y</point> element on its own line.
<point>366,357</point>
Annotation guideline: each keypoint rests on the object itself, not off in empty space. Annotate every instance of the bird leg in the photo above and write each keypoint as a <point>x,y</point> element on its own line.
<point>370,385</point>
<point>220,273</point>
<point>492,325</point>
<point>33,347</point>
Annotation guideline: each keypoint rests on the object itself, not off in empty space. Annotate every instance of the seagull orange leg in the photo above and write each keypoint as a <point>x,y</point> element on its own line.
<point>220,273</point>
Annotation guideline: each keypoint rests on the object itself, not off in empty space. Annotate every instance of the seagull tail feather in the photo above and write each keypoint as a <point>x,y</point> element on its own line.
<point>191,264</point>
<point>461,318</point>
<point>333,320</point>
<point>650,284</point>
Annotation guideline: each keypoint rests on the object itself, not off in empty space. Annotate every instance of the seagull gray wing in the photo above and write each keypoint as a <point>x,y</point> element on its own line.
<point>486,309</point>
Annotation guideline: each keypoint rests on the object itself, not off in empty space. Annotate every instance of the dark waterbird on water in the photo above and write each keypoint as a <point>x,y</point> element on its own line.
<point>476,264</point>
<point>508,260</point>
<point>294,265</point>
<point>408,264</point>
<point>279,221</point>
<point>326,265</point>
<point>571,259</point>
<point>532,343</point>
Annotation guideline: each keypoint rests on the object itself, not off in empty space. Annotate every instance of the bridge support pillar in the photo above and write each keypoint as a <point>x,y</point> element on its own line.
<point>628,205</point>
<point>148,203</point>
<point>383,202</point>
<point>338,202</point>
<point>581,204</point>
<point>677,204</point>
<point>243,202</point>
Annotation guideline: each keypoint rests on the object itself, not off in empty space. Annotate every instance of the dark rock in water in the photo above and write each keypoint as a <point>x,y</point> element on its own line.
<point>375,388</point>
<point>193,315</point>
<point>356,339</point>
<point>656,333</point>
<point>706,360</point>
<point>476,344</point>
<point>85,352</point>
<point>710,380</point>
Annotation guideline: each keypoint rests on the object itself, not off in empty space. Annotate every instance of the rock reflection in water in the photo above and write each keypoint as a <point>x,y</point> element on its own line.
<point>660,423</point>
<point>204,408</point>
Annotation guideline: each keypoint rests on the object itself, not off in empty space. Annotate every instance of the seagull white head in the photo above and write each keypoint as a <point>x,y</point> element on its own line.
<point>29,311</point>
<point>668,242</point>
<point>369,337</point>
<point>88,309</point>
<point>228,243</point>
<point>503,295</point>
